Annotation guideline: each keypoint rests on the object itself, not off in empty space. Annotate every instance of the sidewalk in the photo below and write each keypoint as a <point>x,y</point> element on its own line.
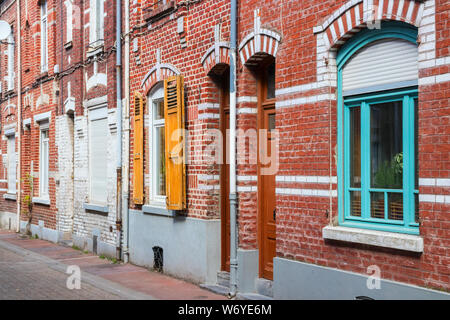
<point>107,275</point>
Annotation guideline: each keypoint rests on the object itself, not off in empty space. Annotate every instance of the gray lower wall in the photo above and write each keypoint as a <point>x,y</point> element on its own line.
<point>298,280</point>
<point>42,232</point>
<point>191,247</point>
<point>87,243</point>
<point>8,220</point>
<point>248,268</point>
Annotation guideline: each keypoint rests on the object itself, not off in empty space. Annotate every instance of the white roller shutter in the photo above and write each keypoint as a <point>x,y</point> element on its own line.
<point>382,65</point>
<point>43,166</point>
<point>11,165</point>
<point>98,160</point>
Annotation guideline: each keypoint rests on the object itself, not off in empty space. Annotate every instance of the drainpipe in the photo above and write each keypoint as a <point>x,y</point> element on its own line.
<point>233,197</point>
<point>126,131</point>
<point>119,125</point>
<point>19,114</point>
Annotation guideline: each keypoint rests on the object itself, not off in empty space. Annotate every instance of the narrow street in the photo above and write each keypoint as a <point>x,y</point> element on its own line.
<point>33,269</point>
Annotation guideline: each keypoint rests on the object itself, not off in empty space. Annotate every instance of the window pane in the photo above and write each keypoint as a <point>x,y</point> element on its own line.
<point>386,145</point>
<point>377,205</point>
<point>160,162</point>
<point>395,209</point>
<point>355,198</point>
<point>271,121</point>
<point>158,110</point>
<point>271,81</point>
<point>355,147</point>
<point>416,207</point>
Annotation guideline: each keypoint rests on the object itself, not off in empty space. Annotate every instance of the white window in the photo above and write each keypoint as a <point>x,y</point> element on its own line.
<point>69,8</point>
<point>98,144</point>
<point>96,23</point>
<point>44,37</point>
<point>12,164</point>
<point>43,162</point>
<point>11,61</point>
<point>157,147</point>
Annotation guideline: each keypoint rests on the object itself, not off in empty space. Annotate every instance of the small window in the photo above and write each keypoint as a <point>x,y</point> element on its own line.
<point>158,144</point>
<point>96,23</point>
<point>69,23</point>
<point>98,145</point>
<point>11,73</point>
<point>43,163</point>
<point>44,37</point>
<point>270,81</point>
<point>12,165</point>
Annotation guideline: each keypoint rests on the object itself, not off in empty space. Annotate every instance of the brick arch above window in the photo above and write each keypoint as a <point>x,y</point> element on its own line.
<point>255,46</point>
<point>157,74</point>
<point>217,59</point>
<point>356,15</point>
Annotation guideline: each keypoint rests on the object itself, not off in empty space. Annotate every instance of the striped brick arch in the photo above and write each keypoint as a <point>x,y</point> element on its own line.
<point>217,59</point>
<point>256,46</point>
<point>356,15</point>
<point>157,74</point>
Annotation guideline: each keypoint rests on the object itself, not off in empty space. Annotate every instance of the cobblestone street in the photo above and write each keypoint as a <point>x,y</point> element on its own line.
<point>36,269</point>
<point>25,278</point>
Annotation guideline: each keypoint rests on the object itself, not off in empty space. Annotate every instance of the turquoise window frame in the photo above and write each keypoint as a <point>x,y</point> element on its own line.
<point>407,96</point>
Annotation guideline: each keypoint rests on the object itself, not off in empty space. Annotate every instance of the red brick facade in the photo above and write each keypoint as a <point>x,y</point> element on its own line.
<point>191,38</point>
<point>8,116</point>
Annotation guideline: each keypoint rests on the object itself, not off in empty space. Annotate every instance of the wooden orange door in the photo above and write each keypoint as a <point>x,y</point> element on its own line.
<point>266,181</point>
<point>267,213</point>
<point>225,176</point>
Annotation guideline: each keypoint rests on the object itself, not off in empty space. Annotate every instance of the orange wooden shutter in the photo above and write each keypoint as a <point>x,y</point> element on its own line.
<point>175,157</point>
<point>138,158</point>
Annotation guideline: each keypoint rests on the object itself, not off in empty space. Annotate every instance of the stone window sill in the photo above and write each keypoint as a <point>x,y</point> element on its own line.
<point>158,210</point>
<point>95,207</point>
<point>68,45</point>
<point>10,196</point>
<point>158,11</point>
<point>98,49</point>
<point>43,201</point>
<point>384,239</point>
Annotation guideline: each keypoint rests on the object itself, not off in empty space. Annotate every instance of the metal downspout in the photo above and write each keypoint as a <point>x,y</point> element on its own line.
<point>125,186</point>
<point>233,197</point>
<point>119,125</point>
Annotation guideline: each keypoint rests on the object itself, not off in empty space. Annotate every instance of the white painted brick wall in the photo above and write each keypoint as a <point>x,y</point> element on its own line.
<point>86,222</point>
<point>64,191</point>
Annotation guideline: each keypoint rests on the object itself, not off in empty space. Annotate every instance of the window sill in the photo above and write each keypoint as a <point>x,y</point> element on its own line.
<point>10,196</point>
<point>95,207</point>
<point>43,201</point>
<point>95,50</point>
<point>158,210</point>
<point>68,45</point>
<point>391,240</point>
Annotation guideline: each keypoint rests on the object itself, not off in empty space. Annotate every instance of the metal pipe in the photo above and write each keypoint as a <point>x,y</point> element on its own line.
<point>233,197</point>
<point>119,125</point>
<point>125,176</point>
<point>19,114</point>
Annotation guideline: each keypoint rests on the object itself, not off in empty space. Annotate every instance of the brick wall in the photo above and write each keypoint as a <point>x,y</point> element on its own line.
<point>306,119</point>
<point>8,105</point>
<point>183,52</point>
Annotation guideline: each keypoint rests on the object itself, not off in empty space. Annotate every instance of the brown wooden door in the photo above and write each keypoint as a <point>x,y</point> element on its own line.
<point>267,212</point>
<point>225,176</point>
<point>266,183</point>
